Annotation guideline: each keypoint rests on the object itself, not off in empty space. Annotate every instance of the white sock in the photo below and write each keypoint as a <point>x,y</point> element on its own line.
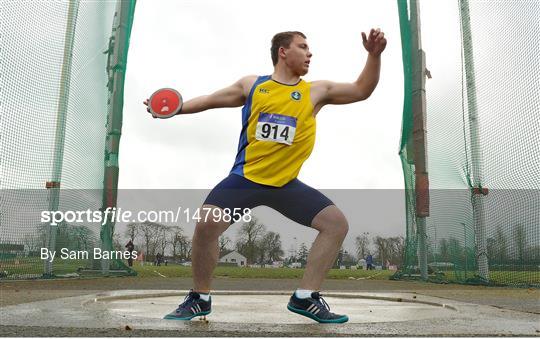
<point>205,296</point>
<point>303,294</point>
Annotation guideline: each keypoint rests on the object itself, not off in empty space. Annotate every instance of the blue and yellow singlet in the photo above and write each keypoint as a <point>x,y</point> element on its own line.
<point>278,132</point>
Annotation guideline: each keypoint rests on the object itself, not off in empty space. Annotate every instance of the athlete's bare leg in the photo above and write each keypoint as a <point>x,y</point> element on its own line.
<point>205,250</point>
<point>333,227</point>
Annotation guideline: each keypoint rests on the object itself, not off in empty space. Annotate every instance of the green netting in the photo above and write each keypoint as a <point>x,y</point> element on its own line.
<point>483,131</point>
<point>55,92</point>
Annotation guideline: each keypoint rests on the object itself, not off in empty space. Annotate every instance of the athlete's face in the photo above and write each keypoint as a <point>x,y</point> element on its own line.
<point>298,56</point>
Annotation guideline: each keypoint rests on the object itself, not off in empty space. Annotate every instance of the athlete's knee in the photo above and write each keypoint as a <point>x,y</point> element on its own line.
<point>342,226</point>
<point>210,227</point>
<point>332,220</point>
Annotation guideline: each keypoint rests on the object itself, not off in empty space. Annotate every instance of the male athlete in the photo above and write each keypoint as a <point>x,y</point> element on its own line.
<point>278,134</point>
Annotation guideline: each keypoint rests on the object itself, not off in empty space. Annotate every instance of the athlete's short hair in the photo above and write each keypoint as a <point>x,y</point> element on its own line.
<point>282,39</point>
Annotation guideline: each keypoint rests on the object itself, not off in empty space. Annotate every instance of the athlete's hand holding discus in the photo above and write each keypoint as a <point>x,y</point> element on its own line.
<point>167,102</point>
<point>164,103</point>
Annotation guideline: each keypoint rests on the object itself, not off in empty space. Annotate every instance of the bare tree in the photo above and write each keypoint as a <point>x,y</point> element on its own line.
<point>382,248</point>
<point>81,236</point>
<point>275,252</point>
<point>188,247</point>
<point>70,236</point>
<point>303,253</point>
<point>132,231</point>
<point>269,248</point>
<point>178,236</point>
<point>261,250</point>
<point>163,237</point>
<point>149,231</point>
<point>116,242</point>
<point>396,247</point>
<point>183,244</point>
<point>248,237</point>
<point>390,249</point>
<point>224,242</point>
<point>362,245</point>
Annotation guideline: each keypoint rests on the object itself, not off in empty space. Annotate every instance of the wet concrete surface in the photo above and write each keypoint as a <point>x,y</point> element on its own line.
<point>270,308</point>
<point>263,313</point>
<point>518,299</point>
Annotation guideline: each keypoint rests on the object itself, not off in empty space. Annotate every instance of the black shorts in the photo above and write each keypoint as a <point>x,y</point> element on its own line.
<point>295,200</point>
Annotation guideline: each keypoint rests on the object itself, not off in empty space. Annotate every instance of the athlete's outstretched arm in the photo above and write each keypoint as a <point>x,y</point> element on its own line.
<point>232,96</point>
<point>328,92</point>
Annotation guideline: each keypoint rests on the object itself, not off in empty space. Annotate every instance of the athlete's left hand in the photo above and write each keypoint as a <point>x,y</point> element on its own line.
<point>375,43</point>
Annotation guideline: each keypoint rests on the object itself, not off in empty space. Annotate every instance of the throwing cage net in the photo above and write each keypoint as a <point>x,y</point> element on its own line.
<point>62,66</point>
<point>471,125</point>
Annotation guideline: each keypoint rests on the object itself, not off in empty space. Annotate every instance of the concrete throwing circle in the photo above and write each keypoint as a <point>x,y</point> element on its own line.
<point>271,307</point>
<point>262,313</point>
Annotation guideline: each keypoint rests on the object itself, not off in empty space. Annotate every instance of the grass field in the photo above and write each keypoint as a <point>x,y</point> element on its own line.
<point>35,268</point>
<point>249,272</point>
<point>28,268</point>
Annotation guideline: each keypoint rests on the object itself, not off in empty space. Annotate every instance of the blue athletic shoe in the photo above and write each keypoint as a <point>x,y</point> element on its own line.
<point>315,308</point>
<point>193,306</point>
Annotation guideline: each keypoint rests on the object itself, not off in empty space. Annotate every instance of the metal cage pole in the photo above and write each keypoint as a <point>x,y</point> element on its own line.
<point>65,78</point>
<point>116,69</point>
<point>478,192</point>
<point>418,61</point>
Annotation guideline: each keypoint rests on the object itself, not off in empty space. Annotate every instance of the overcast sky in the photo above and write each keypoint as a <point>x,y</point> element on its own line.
<point>199,46</point>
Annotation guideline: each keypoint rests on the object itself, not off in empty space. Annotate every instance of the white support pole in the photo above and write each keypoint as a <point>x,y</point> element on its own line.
<point>65,78</point>
<point>419,136</point>
<point>478,191</point>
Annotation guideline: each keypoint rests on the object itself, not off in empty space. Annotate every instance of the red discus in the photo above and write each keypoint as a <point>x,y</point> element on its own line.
<point>165,103</point>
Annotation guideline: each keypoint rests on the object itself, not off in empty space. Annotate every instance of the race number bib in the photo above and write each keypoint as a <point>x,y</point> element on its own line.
<point>276,128</point>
